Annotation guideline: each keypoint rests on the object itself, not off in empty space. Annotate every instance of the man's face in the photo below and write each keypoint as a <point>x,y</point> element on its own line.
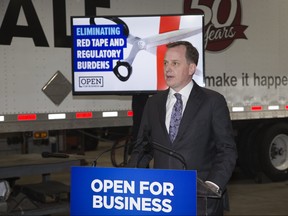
<point>178,72</point>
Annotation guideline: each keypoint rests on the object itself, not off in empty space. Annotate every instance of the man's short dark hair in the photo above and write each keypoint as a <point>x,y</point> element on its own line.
<point>192,54</point>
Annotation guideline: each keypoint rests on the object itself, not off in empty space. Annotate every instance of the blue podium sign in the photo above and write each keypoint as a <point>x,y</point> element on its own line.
<point>132,191</point>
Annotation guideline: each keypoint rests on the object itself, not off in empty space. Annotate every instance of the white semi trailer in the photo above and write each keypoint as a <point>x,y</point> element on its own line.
<point>245,60</point>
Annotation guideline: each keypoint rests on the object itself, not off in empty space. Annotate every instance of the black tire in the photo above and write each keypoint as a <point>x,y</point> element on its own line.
<point>273,148</point>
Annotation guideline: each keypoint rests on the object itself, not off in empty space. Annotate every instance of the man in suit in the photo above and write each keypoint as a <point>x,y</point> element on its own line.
<point>204,136</point>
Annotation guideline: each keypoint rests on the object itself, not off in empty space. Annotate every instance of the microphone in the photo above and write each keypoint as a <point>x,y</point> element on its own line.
<point>114,147</point>
<point>170,152</point>
<point>203,190</point>
<point>146,154</point>
<point>142,153</point>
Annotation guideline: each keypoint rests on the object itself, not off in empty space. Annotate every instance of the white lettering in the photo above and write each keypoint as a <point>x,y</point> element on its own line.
<point>117,186</point>
<point>83,42</point>
<point>156,188</point>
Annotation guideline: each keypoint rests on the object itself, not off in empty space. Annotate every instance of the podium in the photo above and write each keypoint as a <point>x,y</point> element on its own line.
<point>137,191</point>
<point>132,191</point>
<point>204,193</point>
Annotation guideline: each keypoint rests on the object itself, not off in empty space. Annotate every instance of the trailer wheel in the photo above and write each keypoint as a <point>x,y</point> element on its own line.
<point>274,152</point>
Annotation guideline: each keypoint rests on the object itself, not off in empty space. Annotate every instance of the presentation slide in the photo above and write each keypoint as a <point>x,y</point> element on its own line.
<point>125,55</point>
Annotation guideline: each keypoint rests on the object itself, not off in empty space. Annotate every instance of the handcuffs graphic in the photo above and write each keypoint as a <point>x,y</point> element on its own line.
<point>147,44</point>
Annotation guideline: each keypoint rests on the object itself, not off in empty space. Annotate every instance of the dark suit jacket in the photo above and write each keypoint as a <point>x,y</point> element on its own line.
<point>205,136</point>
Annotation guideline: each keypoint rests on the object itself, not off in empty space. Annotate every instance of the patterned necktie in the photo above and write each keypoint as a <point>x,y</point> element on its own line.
<point>175,117</point>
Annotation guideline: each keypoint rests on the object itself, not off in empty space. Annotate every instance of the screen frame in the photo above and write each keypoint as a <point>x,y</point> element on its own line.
<point>132,91</point>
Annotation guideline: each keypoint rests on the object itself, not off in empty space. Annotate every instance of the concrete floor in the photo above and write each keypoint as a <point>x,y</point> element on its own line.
<point>246,196</point>
<point>250,198</point>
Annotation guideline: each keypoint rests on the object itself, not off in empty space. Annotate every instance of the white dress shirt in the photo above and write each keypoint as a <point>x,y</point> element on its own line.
<point>171,100</point>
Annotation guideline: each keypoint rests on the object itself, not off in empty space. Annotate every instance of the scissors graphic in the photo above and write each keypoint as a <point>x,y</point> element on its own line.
<point>147,44</point>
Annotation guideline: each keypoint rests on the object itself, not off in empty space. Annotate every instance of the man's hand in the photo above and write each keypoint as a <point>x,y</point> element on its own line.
<point>215,188</point>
